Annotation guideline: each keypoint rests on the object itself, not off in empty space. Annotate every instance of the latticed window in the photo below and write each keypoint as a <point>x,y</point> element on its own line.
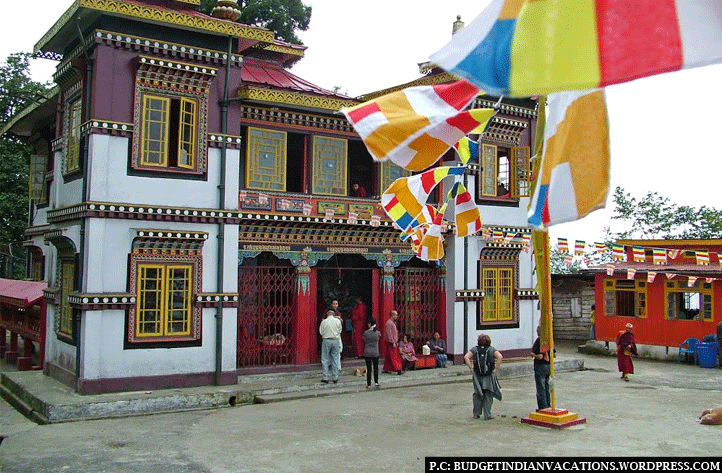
<point>329,165</point>
<point>625,297</point>
<point>168,132</point>
<point>72,161</point>
<point>521,172</point>
<point>390,172</point>
<point>498,286</point>
<point>688,303</point>
<point>164,300</point>
<point>505,171</point>
<point>67,279</point>
<point>266,163</point>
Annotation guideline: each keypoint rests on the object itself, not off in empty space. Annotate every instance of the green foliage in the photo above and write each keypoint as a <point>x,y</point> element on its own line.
<point>654,217</point>
<point>17,91</point>
<point>283,17</point>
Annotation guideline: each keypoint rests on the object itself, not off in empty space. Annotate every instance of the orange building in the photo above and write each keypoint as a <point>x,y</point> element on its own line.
<point>670,290</point>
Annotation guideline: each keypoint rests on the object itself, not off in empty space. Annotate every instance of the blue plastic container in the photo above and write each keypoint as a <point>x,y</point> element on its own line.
<point>707,353</point>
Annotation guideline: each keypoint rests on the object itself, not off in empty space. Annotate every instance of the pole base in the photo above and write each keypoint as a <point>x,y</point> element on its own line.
<point>553,418</point>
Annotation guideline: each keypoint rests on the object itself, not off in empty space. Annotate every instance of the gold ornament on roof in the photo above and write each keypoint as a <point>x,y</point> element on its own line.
<point>226,10</point>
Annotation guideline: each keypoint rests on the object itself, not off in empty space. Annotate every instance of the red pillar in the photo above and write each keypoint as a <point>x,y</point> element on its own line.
<point>304,313</point>
<point>25,362</point>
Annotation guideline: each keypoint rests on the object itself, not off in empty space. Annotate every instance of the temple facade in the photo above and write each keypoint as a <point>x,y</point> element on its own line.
<point>196,206</point>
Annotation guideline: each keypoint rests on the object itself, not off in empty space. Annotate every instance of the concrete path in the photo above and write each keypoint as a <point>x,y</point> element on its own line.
<point>655,414</point>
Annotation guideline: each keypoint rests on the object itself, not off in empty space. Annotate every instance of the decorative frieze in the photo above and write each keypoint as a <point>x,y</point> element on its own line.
<point>205,300</point>
<point>216,140</point>
<point>527,294</point>
<point>104,127</point>
<point>469,295</point>
<point>297,99</point>
<point>295,119</point>
<point>101,301</point>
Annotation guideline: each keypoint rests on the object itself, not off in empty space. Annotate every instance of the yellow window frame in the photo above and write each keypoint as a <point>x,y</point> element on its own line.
<point>67,278</point>
<point>260,175</point>
<point>706,309</point>
<point>489,170</point>
<point>324,182</point>
<point>498,286</point>
<point>390,172</point>
<point>187,134</point>
<point>520,172</point>
<point>165,314</point>
<point>162,107</point>
<point>612,286</point>
<point>72,162</point>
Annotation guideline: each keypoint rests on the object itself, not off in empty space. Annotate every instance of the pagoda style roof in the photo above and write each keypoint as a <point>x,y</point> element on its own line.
<point>268,81</point>
<point>86,12</point>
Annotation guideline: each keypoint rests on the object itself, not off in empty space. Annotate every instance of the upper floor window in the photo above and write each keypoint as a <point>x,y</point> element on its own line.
<point>67,282</point>
<point>266,163</point>
<point>168,132</point>
<point>171,113</point>
<point>329,165</point>
<point>73,147</point>
<point>506,172</point>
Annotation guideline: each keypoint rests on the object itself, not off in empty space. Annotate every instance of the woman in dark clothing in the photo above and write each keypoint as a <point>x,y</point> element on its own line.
<point>626,347</point>
<point>371,352</point>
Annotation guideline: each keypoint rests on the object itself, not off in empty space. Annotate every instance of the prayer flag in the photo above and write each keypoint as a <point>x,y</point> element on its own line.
<point>307,209</point>
<point>415,126</point>
<point>650,277</point>
<point>670,275</point>
<point>508,237</point>
<point>330,213</point>
<point>630,273</point>
<point>262,198</point>
<point>579,246</point>
<point>525,47</point>
<point>710,280</point>
<point>659,256</point>
<point>563,245</point>
<point>638,254</point>
<point>526,241</point>
<point>353,218</point>
<point>618,253</point>
<point>691,280</point>
<point>375,220</point>
<point>431,247</point>
<point>673,254</point>
<point>498,235</point>
<point>599,247</point>
<point>568,260</point>
<point>486,234</point>
<point>574,172</point>
<point>405,198</point>
<point>466,213</point>
<point>468,150</point>
<point>610,270</point>
<point>702,257</point>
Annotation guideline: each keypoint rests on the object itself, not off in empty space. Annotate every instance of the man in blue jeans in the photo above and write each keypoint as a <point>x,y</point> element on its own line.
<point>330,331</point>
<point>542,369</point>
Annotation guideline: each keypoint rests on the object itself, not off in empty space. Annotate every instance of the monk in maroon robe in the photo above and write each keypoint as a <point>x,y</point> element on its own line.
<point>359,315</point>
<point>626,347</point>
<point>392,358</point>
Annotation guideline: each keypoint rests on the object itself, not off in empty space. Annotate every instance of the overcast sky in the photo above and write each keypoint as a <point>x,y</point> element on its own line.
<point>664,129</point>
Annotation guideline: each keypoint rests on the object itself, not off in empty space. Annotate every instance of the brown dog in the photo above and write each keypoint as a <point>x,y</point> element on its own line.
<point>711,417</point>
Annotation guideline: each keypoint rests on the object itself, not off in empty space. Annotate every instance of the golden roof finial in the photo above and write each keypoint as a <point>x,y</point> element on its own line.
<point>226,10</point>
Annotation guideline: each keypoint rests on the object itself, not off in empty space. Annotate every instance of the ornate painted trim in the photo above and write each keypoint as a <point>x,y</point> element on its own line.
<point>527,294</point>
<point>270,116</point>
<point>481,102</point>
<point>52,295</point>
<point>105,127</point>
<point>102,301</point>
<point>294,98</point>
<point>469,295</point>
<point>216,140</point>
<point>160,15</point>
<point>426,80</point>
<point>278,48</point>
<point>208,299</point>
<point>142,212</point>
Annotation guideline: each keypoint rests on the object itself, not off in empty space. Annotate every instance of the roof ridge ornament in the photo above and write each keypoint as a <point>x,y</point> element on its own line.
<point>226,10</point>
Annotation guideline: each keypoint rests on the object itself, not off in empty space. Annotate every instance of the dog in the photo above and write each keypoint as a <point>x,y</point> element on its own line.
<point>360,371</point>
<point>711,416</point>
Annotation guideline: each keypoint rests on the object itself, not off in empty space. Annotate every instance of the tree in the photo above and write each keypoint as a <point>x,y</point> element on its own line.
<point>17,91</point>
<point>655,216</point>
<point>283,17</point>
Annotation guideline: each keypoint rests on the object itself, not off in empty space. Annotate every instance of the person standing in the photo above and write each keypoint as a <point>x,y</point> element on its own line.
<point>330,331</point>
<point>392,358</point>
<point>593,327</point>
<point>438,348</point>
<point>626,347</point>
<point>359,315</point>
<point>542,370</point>
<point>371,339</point>
<point>337,314</point>
<point>484,361</point>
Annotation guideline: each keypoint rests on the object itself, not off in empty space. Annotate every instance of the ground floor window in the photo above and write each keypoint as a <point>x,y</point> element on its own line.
<point>498,280</point>
<point>625,298</point>
<point>688,303</point>
<point>164,300</point>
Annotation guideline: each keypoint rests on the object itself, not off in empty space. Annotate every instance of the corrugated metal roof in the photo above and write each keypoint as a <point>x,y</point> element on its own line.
<point>273,75</point>
<point>21,293</point>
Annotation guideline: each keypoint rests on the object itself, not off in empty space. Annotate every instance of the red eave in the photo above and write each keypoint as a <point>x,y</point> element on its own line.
<point>272,75</point>
<point>21,293</point>
<point>660,268</point>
